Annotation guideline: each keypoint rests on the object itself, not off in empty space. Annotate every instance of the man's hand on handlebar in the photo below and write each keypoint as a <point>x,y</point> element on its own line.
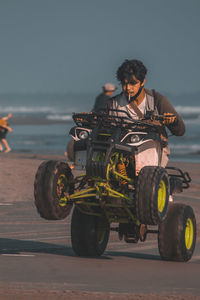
<point>168,118</point>
<point>158,120</point>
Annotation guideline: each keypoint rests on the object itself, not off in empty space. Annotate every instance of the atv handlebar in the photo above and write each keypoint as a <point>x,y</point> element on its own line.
<point>111,118</point>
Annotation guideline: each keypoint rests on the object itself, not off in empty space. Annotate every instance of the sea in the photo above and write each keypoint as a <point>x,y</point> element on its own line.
<point>41,123</point>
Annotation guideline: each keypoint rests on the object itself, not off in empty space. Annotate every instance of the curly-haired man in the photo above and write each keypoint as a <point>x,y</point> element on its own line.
<point>137,101</point>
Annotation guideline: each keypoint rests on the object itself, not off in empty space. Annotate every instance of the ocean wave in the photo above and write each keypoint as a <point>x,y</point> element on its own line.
<point>188,109</point>
<point>58,117</point>
<point>184,110</point>
<point>185,149</point>
<point>189,112</point>
<point>27,109</point>
<point>192,121</point>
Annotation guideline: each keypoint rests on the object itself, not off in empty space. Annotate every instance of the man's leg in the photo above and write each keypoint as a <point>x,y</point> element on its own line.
<point>164,159</point>
<point>8,149</point>
<point>1,147</point>
<point>147,154</point>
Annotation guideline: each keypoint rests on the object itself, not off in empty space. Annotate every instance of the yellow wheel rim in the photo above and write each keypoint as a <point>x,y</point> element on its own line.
<point>62,200</point>
<point>189,233</point>
<point>161,196</point>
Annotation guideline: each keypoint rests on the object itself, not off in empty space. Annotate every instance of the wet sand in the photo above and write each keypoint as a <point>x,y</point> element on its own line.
<point>17,172</point>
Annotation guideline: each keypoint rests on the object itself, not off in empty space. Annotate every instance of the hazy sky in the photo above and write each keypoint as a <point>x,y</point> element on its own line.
<point>77,45</point>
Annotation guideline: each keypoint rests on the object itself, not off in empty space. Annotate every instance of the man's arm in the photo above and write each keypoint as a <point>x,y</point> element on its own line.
<point>177,127</point>
<point>7,117</point>
<point>6,127</point>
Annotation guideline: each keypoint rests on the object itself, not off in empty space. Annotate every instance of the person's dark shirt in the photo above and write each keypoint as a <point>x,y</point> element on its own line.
<point>101,102</point>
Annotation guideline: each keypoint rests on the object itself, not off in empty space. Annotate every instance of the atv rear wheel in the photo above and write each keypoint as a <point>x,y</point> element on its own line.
<point>89,234</point>
<point>177,233</point>
<point>152,195</point>
<point>53,183</point>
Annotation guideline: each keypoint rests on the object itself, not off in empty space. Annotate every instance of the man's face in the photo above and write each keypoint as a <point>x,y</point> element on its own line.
<point>131,87</point>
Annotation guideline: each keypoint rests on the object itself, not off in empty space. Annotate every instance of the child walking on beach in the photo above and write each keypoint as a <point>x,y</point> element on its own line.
<point>4,128</point>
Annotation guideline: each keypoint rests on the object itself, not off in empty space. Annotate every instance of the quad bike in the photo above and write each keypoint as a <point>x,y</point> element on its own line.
<point>115,185</point>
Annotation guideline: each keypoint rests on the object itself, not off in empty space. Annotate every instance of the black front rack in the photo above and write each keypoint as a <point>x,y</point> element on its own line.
<point>111,118</point>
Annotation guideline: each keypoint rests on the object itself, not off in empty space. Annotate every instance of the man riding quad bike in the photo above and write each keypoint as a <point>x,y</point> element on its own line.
<point>111,190</point>
<point>122,153</point>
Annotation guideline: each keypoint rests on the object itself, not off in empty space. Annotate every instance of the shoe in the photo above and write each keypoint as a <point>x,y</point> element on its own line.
<point>143,232</point>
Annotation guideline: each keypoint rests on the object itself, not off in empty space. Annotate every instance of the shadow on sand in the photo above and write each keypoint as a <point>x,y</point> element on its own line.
<point>14,246</point>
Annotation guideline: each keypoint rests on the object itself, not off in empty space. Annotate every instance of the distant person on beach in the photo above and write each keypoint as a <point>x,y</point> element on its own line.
<point>4,128</point>
<point>138,101</point>
<point>102,99</point>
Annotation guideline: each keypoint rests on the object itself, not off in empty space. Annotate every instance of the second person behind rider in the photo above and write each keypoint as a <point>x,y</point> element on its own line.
<point>102,99</point>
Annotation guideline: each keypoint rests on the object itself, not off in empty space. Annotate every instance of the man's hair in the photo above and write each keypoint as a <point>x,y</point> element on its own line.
<point>131,68</point>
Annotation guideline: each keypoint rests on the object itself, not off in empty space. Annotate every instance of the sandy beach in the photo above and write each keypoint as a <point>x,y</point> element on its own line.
<point>17,172</point>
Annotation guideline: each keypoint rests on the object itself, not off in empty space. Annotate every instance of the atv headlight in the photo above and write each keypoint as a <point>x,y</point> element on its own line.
<point>83,135</point>
<point>134,138</point>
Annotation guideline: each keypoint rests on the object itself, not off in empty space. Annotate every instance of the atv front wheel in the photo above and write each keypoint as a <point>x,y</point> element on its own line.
<point>177,233</point>
<point>53,183</point>
<point>152,195</point>
<point>89,234</point>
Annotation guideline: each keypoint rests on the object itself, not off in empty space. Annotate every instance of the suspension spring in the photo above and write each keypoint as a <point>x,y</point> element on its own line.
<point>122,170</point>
